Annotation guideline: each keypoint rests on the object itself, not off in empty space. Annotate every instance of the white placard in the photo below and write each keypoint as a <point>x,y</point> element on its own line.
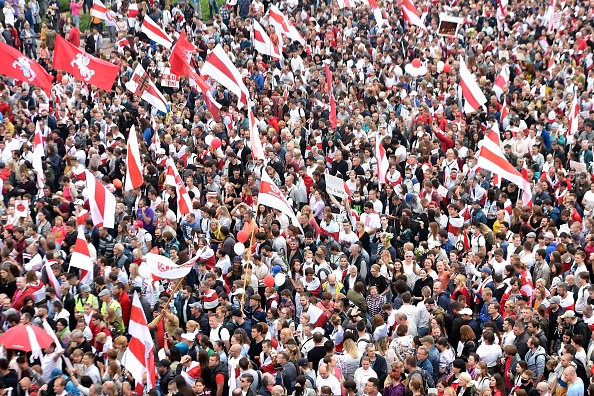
<point>21,208</point>
<point>579,167</point>
<point>449,25</point>
<point>335,186</point>
<point>168,79</point>
<point>442,191</point>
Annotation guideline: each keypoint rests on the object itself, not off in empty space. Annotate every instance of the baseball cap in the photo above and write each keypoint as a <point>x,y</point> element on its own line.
<point>531,235</point>
<point>138,224</point>
<point>548,235</point>
<point>86,288</point>
<point>164,363</point>
<point>104,293</point>
<point>466,311</point>
<point>189,337</point>
<point>196,305</point>
<point>303,362</point>
<point>79,202</point>
<point>568,314</point>
<point>487,270</point>
<point>236,312</point>
<point>555,300</point>
<point>429,338</point>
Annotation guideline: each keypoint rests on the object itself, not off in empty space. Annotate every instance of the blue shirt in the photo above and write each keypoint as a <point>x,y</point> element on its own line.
<point>576,389</point>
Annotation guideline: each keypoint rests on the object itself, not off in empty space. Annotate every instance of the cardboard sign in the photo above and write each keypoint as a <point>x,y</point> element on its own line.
<point>335,186</point>
<point>579,167</point>
<point>168,79</point>
<point>449,25</point>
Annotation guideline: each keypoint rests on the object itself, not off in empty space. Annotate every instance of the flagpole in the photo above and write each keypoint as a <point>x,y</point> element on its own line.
<point>245,273</point>
<point>175,290</point>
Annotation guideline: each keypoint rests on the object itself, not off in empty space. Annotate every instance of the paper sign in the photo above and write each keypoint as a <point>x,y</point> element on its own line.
<point>578,166</point>
<point>168,79</point>
<point>21,208</point>
<point>442,191</point>
<point>335,186</point>
<point>449,25</point>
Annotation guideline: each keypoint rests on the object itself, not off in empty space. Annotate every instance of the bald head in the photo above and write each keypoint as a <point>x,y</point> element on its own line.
<point>235,350</point>
<point>25,383</point>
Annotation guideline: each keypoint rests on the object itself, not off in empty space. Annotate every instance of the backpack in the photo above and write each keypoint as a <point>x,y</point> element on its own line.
<point>488,244</point>
<point>426,378</point>
<point>325,269</point>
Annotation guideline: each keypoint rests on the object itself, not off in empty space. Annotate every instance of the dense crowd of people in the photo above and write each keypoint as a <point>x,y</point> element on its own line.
<point>435,279</point>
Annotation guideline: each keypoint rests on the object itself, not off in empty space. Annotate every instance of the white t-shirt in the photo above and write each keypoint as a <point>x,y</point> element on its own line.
<point>489,354</point>
<point>223,331</point>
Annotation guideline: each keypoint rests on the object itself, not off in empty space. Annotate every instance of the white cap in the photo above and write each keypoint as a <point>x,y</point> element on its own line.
<point>466,311</point>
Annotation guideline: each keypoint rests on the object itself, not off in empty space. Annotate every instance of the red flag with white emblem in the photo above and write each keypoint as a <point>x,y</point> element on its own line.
<point>18,66</point>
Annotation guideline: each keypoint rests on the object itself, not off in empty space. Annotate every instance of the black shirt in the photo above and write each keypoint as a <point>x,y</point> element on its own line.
<point>315,355</point>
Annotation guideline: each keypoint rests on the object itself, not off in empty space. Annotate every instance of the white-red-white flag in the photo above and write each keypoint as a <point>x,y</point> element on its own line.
<point>279,21</point>
<point>140,85</point>
<point>139,358</point>
<point>219,66</point>
<point>172,178</point>
<point>574,112</point>
<point>504,115</point>
<point>262,42</point>
<point>332,115</point>
<point>155,33</point>
<point>164,268</point>
<point>270,195</point>
<point>544,44</point>
<point>501,12</point>
<point>255,142</point>
<point>121,44</point>
<point>81,256</point>
<point>410,12</point>
<point>51,277</point>
<point>493,141</point>
<point>134,177</point>
<point>494,161</point>
<point>100,11</point>
<point>471,92</point>
<point>102,202</point>
<point>382,160</point>
<point>552,63</point>
<point>38,154</point>
<point>501,81</point>
<point>551,16</point>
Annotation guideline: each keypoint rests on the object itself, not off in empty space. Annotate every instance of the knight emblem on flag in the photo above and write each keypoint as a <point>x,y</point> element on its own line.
<point>82,62</point>
<point>24,64</point>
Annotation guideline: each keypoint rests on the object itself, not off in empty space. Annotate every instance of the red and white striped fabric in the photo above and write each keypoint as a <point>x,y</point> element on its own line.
<point>410,12</point>
<point>345,4</point>
<point>471,92</point>
<point>501,12</point>
<point>134,177</point>
<point>278,20</point>
<point>120,44</point>
<point>255,142</point>
<point>501,81</point>
<point>155,33</point>
<point>295,35</point>
<point>51,277</point>
<point>81,256</point>
<point>493,141</point>
<point>504,117</point>
<point>38,153</point>
<point>184,203</point>
<point>164,268</point>
<point>263,44</point>
<point>142,86</point>
<point>574,111</point>
<point>551,16</point>
<point>133,11</point>
<point>219,66</point>
<point>332,116</point>
<point>270,195</point>
<point>382,161</point>
<point>544,44</point>
<point>454,225</point>
<point>139,358</point>
<point>100,11</point>
<point>494,161</point>
<point>102,202</point>
<point>552,63</point>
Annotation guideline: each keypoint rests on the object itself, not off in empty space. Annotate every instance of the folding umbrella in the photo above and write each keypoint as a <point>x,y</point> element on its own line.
<point>26,338</point>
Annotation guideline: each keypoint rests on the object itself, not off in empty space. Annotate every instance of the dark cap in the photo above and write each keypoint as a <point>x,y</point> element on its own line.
<point>236,312</point>
<point>164,363</point>
<point>303,362</point>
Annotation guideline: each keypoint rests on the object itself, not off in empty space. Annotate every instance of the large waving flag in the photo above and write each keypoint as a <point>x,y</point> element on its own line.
<point>473,96</point>
<point>501,81</point>
<point>255,142</point>
<point>18,66</point>
<point>81,256</point>
<point>279,21</point>
<point>493,141</point>
<point>180,62</point>
<point>51,277</point>
<point>219,66</point>
<point>38,154</point>
<point>270,195</point>
<point>139,358</point>
<point>84,67</point>
<point>134,178</point>
<point>504,115</point>
<point>574,112</point>
<point>493,160</point>
<point>184,203</point>
<point>551,16</point>
<point>100,11</point>
<point>382,160</point>
<point>332,116</point>
<point>155,33</point>
<point>410,12</point>
<point>263,44</point>
<point>164,268</point>
<point>141,85</point>
<point>101,202</point>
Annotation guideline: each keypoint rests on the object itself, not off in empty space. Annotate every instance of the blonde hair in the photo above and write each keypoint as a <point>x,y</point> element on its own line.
<point>351,348</point>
